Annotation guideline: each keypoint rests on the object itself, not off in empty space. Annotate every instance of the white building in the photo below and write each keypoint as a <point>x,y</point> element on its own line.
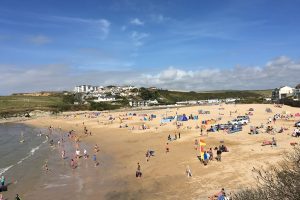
<point>213,101</point>
<point>230,100</point>
<point>143,103</point>
<point>282,92</point>
<point>297,92</point>
<point>85,88</point>
<point>105,99</point>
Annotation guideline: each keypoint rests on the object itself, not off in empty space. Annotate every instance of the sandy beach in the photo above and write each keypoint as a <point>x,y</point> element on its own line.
<point>163,176</point>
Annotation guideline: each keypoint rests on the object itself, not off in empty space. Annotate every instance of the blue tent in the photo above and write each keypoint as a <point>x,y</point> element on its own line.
<point>182,118</point>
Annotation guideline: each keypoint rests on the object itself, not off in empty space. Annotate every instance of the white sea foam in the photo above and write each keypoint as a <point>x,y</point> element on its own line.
<point>3,170</point>
<point>62,176</point>
<point>31,153</point>
<point>33,150</point>
<point>54,185</point>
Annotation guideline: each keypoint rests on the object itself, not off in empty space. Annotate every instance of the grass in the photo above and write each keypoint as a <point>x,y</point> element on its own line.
<point>24,103</point>
<point>175,96</point>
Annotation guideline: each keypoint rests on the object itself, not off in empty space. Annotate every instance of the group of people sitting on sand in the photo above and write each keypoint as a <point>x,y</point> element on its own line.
<point>272,142</point>
<point>175,137</point>
<point>296,132</point>
<point>219,195</point>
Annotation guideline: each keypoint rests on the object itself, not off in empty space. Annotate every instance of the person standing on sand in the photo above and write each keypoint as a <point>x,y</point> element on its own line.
<point>96,148</point>
<point>167,148</point>
<point>138,172</point>
<point>85,155</point>
<point>95,160</point>
<point>63,154</point>
<point>219,152</point>
<point>17,197</point>
<point>179,135</point>
<point>188,171</point>
<point>45,167</point>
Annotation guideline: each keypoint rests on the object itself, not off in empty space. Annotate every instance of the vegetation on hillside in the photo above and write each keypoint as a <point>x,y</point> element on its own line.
<point>56,102</point>
<point>175,96</point>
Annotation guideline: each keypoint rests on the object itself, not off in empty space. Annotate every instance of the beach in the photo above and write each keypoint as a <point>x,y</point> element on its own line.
<point>123,139</point>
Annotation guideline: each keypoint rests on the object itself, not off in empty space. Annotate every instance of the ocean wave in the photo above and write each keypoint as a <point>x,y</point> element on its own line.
<point>33,150</point>
<point>31,153</point>
<point>3,170</point>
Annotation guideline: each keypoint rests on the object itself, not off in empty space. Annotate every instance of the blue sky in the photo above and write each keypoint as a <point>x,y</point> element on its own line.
<point>175,44</point>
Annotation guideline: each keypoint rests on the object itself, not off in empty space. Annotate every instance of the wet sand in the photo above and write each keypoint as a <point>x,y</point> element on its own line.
<point>164,175</point>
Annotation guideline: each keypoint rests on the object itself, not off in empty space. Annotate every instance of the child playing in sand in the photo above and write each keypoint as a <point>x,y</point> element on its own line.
<point>188,171</point>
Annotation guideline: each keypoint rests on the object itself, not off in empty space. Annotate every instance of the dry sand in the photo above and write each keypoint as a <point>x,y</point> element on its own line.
<point>164,175</point>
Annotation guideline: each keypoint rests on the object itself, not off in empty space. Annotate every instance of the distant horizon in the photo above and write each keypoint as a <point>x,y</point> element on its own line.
<point>190,46</point>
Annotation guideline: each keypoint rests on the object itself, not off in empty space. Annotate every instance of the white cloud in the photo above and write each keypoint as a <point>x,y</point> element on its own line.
<point>277,72</point>
<point>138,38</point>
<point>136,21</point>
<point>104,26</point>
<point>39,40</point>
<point>101,26</point>
<point>159,18</point>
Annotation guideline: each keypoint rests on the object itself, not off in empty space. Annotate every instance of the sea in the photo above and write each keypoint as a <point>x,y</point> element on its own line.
<point>21,163</point>
<point>24,150</point>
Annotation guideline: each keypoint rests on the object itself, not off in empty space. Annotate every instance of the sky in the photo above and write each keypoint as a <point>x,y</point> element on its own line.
<point>192,45</point>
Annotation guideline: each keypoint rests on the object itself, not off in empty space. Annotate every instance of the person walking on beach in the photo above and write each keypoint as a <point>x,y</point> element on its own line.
<point>138,171</point>
<point>95,160</point>
<point>96,148</point>
<point>17,197</point>
<point>45,167</point>
<point>85,155</point>
<point>179,135</point>
<point>63,154</point>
